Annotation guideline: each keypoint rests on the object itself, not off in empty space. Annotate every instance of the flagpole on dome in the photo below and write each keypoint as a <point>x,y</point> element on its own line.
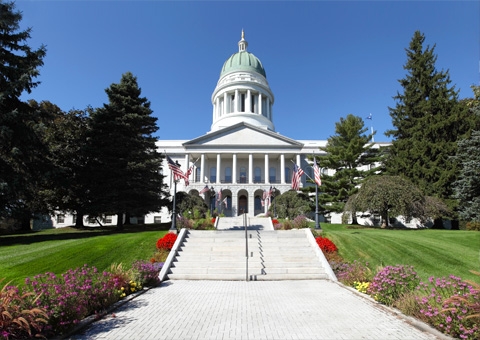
<point>371,126</point>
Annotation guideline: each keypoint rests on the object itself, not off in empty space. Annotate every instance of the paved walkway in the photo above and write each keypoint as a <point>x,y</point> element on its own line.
<point>254,311</point>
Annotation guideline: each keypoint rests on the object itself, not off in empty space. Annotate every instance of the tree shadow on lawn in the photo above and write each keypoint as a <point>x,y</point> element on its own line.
<point>69,233</point>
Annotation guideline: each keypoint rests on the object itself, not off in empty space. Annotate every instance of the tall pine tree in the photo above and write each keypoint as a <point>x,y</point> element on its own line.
<point>427,122</point>
<point>126,164</point>
<point>351,155</point>
<point>467,185</point>
<point>21,161</point>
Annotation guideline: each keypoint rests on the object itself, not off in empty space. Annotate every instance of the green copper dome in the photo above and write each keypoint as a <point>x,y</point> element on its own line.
<point>243,61</point>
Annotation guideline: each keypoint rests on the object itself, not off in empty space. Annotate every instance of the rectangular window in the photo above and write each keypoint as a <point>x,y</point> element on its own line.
<point>108,219</point>
<point>60,219</point>
<point>157,219</point>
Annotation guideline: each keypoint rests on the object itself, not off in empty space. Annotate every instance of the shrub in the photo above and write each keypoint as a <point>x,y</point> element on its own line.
<point>300,222</point>
<point>349,273</point>
<point>326,245</point>
<point>184,222</point>
<point>450,305</point>
<point>287,225</point>
<point>69,298</point>
<point>146,273</point>
<point>19,319</point>
<point>473,226</point>
<point>167,241</point>
<point>393,281</point>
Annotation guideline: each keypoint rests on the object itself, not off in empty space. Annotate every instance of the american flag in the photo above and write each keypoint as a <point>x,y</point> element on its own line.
<point>225,202</point>
<point>297,177</point>
<point>187,175</point>
<point>316,172</point>
<point>177,172</point>
<point>219,195</point>
<point>204,190</point>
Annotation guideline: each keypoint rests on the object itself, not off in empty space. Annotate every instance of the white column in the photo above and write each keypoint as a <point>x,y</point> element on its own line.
<point>235,108</point>
<point>267,177</point>
<point>234,169</point>
<point>219,163</point>
<point>282,168</point>
<point>187,163</point>
<point>260,104</point>
<point>299,164</point>
<point>251,204</point>
<point>225,103</point>
<point>217,108</point>
<point>202,167</point>
<point>268,108</point>
<point>248,107</point>
<point>250,168</point>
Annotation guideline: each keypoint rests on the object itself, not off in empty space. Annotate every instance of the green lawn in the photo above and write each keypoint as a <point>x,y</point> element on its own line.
<point>58,250</point>
<point>431,252</point>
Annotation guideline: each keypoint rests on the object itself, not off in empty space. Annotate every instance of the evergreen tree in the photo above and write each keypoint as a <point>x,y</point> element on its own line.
<point>21,161</point>
<point>427,122</point>
<point>351,155</point>
<point>467,186</point>
<point>126,165</point>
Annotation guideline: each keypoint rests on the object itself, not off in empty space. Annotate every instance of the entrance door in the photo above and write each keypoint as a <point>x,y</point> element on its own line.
<point>242,205</point>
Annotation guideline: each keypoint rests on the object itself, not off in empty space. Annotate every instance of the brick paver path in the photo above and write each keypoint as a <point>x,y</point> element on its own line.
<point>254,311</point>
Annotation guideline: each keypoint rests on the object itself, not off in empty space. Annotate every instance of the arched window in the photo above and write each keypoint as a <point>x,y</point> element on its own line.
<point>273,175</point>
<point>258,175</point>
<point>288,177</point>
<point>258,203</point>
<point>213,174</point>
<point>228,174</point>
<point>243,175</point>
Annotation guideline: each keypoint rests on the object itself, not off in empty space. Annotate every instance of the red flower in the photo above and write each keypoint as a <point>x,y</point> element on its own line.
<point>326,245</point>
<point>275,221</point>
<point>213,220</point>
<point>167,241</point>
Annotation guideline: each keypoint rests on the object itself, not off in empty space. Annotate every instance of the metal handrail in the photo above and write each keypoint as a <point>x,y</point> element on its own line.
<point>246,246</point>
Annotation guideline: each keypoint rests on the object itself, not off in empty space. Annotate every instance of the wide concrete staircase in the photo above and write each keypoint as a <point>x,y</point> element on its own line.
<point>271,255</point>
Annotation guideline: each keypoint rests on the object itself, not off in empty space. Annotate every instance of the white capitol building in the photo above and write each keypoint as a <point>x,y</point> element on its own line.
<point>242,155</point>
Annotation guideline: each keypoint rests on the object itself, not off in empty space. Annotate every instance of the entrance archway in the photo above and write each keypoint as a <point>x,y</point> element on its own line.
<point>242,204</point>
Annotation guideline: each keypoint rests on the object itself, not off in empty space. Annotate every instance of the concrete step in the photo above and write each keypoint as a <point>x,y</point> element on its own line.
<point>220,255</point>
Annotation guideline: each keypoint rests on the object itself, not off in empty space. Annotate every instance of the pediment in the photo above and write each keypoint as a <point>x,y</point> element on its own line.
<point>243,135</point>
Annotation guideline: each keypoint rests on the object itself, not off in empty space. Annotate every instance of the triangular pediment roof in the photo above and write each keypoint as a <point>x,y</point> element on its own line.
<point>243,136</point>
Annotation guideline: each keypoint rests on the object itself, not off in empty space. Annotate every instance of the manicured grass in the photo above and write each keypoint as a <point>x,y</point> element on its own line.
<point>431,252</point>
<point>58,250</point>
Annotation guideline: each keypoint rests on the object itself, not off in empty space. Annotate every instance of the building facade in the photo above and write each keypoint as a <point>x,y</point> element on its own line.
<point>242,155</point>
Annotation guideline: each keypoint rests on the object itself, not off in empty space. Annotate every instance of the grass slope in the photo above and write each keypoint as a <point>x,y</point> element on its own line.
<point>58,250</point>
<point>431,252</point>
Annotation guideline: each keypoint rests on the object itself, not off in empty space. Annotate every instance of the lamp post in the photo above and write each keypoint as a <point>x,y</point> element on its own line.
<point>317,223</point>
<point>273,199</point>
<point>173,227</point>
<point>212,200</point>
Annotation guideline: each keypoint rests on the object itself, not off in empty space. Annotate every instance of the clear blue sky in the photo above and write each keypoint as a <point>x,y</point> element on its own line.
<point>323,59</point>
